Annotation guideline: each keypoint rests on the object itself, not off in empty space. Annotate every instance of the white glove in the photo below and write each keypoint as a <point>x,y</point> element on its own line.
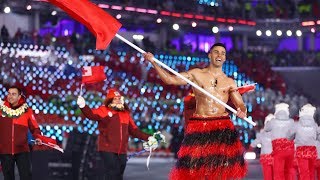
<point>1,102</point>
<point>151,144</point>
<point>81,102</point>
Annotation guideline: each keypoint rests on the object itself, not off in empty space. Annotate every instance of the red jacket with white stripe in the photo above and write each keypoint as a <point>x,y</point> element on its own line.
<point>115,128</point>
<point>14,129</point>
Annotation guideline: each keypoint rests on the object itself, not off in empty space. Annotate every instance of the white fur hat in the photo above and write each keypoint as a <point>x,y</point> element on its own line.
<point>268,118</point>
<point>307,110</point>
<point>282,107</point>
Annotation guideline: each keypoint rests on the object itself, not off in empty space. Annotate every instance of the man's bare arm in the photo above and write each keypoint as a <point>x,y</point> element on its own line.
<point>165,76</point>
<point>236,98</point>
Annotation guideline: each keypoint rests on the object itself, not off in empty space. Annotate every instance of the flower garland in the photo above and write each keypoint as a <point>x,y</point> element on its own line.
<point>117,107</point>
<point>8,112</point>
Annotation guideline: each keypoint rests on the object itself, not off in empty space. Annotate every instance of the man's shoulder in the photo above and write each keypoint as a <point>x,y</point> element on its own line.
<point>198,70</point>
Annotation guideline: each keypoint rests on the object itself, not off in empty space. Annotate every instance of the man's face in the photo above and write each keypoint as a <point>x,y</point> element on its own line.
<point>217,55</point>
<point>117,100</point>
<point>13,96</point>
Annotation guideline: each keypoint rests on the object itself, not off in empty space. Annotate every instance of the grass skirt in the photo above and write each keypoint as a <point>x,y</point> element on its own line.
<point>210,150</point>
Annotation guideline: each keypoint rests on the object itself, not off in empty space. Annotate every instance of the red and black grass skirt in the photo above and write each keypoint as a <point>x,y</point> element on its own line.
<point>210,150</point>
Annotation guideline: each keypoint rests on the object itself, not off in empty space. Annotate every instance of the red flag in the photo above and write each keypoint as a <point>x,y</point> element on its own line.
<point>46,139</point>
<point>93,74</point>
<point>100,23</point>
<point>48,142</point>
<point>247,88</point>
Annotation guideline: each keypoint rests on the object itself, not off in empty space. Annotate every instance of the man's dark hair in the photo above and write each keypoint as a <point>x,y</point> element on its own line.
<point>109,101</point>
<point>17,88</point>
<point>217,44</point>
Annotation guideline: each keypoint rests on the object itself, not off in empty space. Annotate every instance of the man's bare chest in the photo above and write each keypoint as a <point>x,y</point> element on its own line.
<point>213,85</point>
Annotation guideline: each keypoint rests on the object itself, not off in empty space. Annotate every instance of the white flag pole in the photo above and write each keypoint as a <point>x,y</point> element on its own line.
<point>81,89</point>
<point>185,79</point>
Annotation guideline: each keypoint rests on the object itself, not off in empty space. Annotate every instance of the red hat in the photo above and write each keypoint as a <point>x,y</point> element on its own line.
<point>111,93</point>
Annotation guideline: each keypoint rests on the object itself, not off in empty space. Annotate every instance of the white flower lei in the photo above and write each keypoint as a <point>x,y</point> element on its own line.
<point>117,107</point>
<point>6,111</point>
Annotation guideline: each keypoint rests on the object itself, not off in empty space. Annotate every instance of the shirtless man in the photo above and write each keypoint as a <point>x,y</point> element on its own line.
<point>211,148</point>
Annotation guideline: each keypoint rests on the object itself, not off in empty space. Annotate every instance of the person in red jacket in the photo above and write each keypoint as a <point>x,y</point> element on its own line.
<point>16,118</point>
<point>115,125</point>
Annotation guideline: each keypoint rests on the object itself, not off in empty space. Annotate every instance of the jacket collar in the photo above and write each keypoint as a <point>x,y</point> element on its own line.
<point>20,103</point>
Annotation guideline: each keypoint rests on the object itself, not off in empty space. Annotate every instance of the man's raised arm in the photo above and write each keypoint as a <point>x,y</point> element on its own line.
<point>165,76</point>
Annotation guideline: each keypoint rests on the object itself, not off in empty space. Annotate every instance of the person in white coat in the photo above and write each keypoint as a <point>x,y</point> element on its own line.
<point>266,159</point>
<point>306,132</point>
<point>282,134</point>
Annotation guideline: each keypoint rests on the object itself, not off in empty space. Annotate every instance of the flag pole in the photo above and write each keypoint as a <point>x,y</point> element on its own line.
<point>56,147</point>
<point>185,79</point>
<point>81,89</point>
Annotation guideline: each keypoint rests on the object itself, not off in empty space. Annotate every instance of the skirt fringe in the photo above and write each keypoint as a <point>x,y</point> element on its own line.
<point>211,149</point>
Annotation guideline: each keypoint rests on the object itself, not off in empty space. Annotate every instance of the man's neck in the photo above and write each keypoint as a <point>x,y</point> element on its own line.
<point>14,106</point>
<point>215,70</point>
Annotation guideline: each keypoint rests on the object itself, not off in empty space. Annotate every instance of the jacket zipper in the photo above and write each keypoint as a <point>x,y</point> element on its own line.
<point>120,137</point>
<point>12,138</point>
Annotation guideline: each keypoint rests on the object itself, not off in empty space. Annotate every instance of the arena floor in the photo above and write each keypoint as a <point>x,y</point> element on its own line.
<point>159,169</point>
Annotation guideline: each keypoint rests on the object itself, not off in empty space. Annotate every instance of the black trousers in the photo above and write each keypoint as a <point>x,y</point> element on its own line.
<point>23,162</point>
<point>114,165</point>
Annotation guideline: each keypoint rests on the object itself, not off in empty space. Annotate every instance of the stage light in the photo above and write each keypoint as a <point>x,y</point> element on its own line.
<point>313,30</point>
<point>159,20</point>
<point>7,10</point>
<point>105,6</point>
<point>116,7</point>
<point>268,33</point>
<point>29,7</point>
<point>308,23</point>
<point>289,33</point>
<point>250,155</point>
<point>279,32</point>
<point>53,13</point>
<point>193,24</point>
<point>298,33</point>
<point>259,145</point>
<point>65,32</point>
<point>175,26</point>
<point>230,28</point>
<point>215,29</point>
<point>137,37</point>
<point>258,33</point>
<point>118,16</point>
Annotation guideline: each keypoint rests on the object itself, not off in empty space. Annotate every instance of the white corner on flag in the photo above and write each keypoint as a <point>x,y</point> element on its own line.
<point>87,71</point>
